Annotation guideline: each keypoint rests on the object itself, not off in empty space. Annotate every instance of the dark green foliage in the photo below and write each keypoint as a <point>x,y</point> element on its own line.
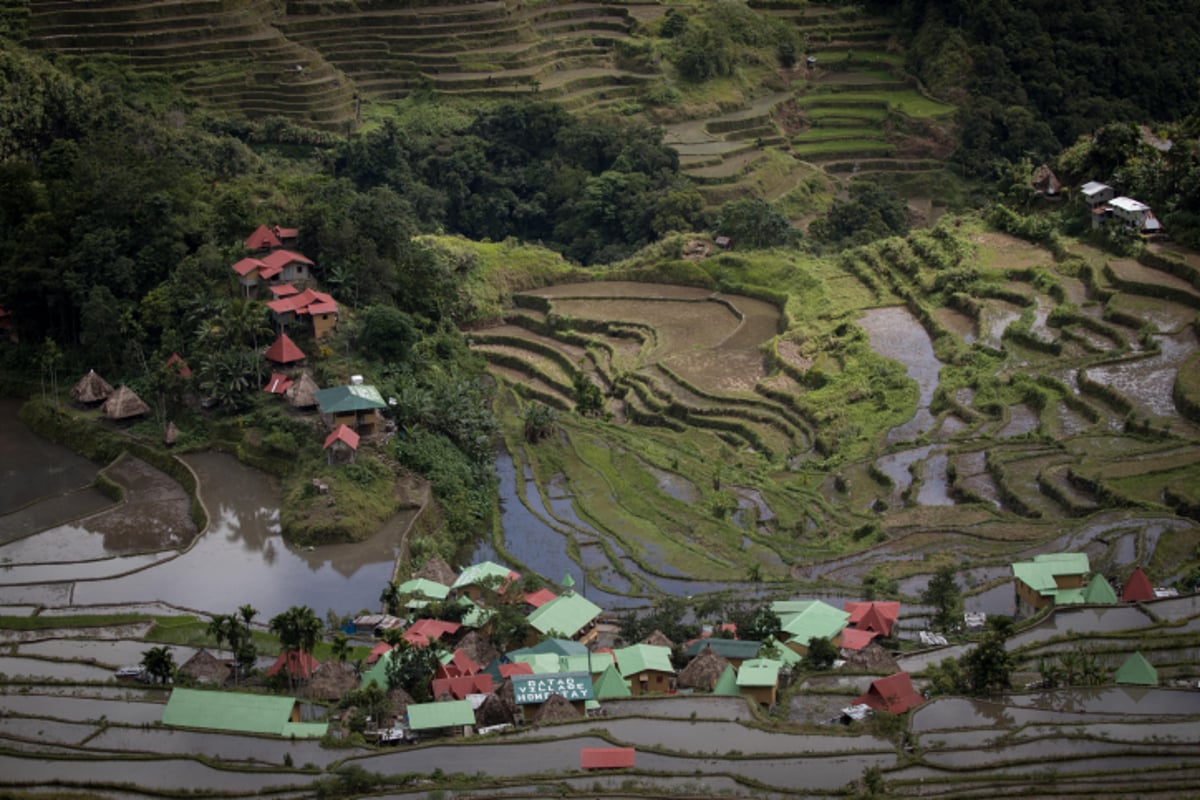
<point>541,421</point>
<point>821,653</point>
<point>589,400</point>
<point>872,213</point>
<point>987,668</point>
<point>756,623</point>
<point>667,615</point>
<point>411,668</point>
<point>752,222</point>
<point>387,333</point>
<point>159,664</point>
<point>943,593</point>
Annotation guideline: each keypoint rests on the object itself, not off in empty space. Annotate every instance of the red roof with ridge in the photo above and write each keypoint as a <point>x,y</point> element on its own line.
<point>423,631</point>
<point>342,434</point>
<point>1137,588</point>
<point>278,384</point>
<point>894,694</point>
<point>607,757</point>
<point>262,238</point>
<point>540,597</point>
<point>247,265</point>
<point>873,616</point>
<point>284,351</point>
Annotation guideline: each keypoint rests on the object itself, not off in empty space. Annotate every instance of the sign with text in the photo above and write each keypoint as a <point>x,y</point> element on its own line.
<point>538,688</point>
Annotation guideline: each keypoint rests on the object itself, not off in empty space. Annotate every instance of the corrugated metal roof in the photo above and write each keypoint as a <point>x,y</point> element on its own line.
<point>566,615</point>
<point>759,672</point>
<point>1138,671</point>
<point>234,711</point>
<point>427,716</point>
<point>342,399</point>
<point>642,657</point>
<point>808,619</point>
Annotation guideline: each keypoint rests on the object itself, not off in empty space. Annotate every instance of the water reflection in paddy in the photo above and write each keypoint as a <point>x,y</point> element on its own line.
<point>243,558</point>
<point>896,334</point>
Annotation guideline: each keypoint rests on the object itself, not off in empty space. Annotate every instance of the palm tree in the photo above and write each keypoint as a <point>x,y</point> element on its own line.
<point>218,628</point>
<point>390,597</point>
<point>298,629</point>
<point>159,663</point>
<point>341,647</point>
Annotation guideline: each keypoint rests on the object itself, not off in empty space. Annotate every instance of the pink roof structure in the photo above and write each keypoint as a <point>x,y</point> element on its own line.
<point>854,639</point>
<point>278,384</point>
<point>540,597</point>
<point>284,290</point>
<point>342,434</point>
<point>284,351</point>
<point>274,263</point>
<point>459,688</point>
<point>310,301</point>
<point>894,694</point>
<point>516,668</point>
<point>298,664</point>
<point>263,238</point>
<point>424,631</point>
<point>285,233</point>
<point>1137,588</point>
<point>183,369</point>
<point>607,757</point>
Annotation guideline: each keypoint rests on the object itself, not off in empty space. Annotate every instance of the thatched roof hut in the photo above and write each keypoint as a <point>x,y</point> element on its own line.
<point>556,709</point>
<point>437,570</point>
<point>494,711</point>
<point>872,658</point>
<point>331,680</point>
<point>478,649</point>
<point>303,392</point>
<point>704,671</point>
<point>123,404</point>
<point>91,389</point>
<point>659,639</point>
<point>399,700</point>
<point>204,667</point>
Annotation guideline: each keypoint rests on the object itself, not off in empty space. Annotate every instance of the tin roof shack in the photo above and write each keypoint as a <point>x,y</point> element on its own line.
<point>801,621</point>
<point>356,406</point>
<point>1049,579</point>
<point>531,692</point>
<point>758,680</point>
<point>239,713</point>
<point>894,694</point>
<point>647,667</point>
<point>449,718</point>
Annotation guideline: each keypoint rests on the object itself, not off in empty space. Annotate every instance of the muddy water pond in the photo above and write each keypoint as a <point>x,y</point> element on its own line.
<point>33,468</point>
<point>242,557</point>
<point>896,334</point>
<point>226,747</point>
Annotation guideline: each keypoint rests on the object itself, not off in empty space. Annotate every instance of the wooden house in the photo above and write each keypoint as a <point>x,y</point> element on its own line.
<point>356,406</point>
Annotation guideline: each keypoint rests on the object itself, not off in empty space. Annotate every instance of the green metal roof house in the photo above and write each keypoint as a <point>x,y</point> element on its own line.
<point>1050,578</point>
<point>422,587</point>
<point>1137,671</point>
<point>758,679</point>
<point>239,713</point>
<point>647,666</point>
<point>355,406</point>
<point>804,620</point>
<point>453,717</point>
<point>470,581</point>
<point>726,685</point>
<point>568,615</point>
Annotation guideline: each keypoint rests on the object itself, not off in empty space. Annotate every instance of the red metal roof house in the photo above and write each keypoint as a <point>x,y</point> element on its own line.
<point>284,351</point>
<point>263,238</point>
<point>298,664</point>
<point>877,617</point>
<point>341,444</point>
<point>894,694</point>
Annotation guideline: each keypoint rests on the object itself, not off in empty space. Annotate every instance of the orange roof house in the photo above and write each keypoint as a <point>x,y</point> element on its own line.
<point>855,640</point>
<point>341,444</point>
<point>249,272</point>
<point>424,631</point>
<point>284,351</point>
<point>460,687</point>
<point>283,290</point>
<point>876,617</point>
<point>894,694</point>
<point>1138,588</point>
<point>263,238</point>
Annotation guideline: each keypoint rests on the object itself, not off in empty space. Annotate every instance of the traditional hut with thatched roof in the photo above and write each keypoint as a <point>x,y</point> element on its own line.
<point>874,659</point>
<point>331,680</point>
<point>557,709</point>
<point>495,711</point>
<point>124,404</point>
<point>399,701</point>
<point>658,638</point>
<point>303,391</point>
<point>204,667</point>
<point>91,389</point>
<point>437,570</point>
<point>704,671</point>
<point>478,649</point>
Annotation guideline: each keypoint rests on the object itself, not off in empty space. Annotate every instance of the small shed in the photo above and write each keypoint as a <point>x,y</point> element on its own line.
<point>1137,671</point>
<point>124,404</point>
<point>91,389</point>
<point>607,757</point>
<point>758,680</point>
<point>341,445</point>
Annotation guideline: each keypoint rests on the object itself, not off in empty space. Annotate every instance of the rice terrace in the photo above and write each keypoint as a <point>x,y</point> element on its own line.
<point>523,398</point>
